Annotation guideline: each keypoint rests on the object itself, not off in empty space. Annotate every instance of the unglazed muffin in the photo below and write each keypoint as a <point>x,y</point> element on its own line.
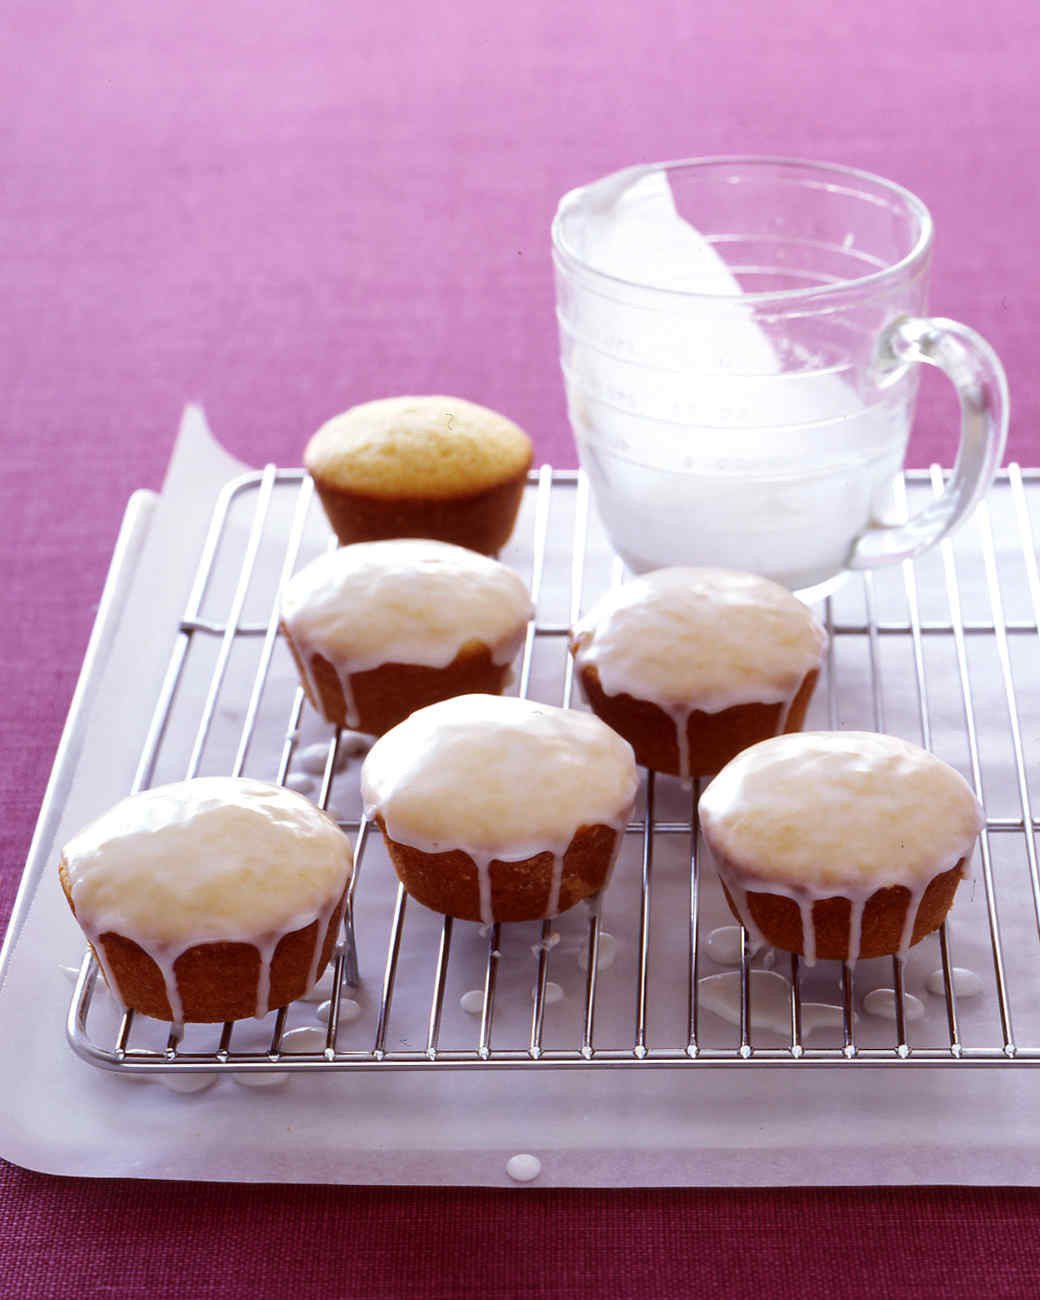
<point>840,844</point>
<point>693,665</point>
<point>209,900</point>
<point>436,467</point>
<point>380,629</point>
<point>500,809</point>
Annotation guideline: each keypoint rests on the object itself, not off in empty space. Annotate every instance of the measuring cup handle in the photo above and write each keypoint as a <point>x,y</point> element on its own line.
<point>975,371</point>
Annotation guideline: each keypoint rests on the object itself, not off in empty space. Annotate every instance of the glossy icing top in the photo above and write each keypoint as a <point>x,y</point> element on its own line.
<point>839,812</point>
<point>404,601</point>
<point>497,777</point>
<point>216,858</point>
<point>700,639</point>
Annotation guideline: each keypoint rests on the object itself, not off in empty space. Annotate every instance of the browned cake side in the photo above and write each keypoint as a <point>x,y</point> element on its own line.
<point>779,920</point>
<point>449,882</point>
<point>386,695</point>
<point>216,981</point>
<point>483,521</point>
<point>714,738</point>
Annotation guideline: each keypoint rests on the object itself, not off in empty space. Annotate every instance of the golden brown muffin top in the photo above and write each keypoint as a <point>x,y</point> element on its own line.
<point>427,447</point>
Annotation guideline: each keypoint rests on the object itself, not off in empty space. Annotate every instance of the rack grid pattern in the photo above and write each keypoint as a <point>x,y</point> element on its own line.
<point>128,1047</point>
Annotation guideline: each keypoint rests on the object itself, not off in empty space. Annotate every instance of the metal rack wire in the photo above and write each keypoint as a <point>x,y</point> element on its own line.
<point>247,556</point>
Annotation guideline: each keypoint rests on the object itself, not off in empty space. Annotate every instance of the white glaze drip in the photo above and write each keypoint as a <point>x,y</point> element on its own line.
<point>472,1002</point>
<point>805,900</point>
<point>321,989</point>
<point>106,970</point>
<point>681,718</point>
<point>553,905</point>
<point>909,920</point>
<point>739,895</point>
<point>805,907</point>
<point>785,713</point>
<point>324,920</point>
<point>350,710</point>
<point>856,931</point>
<point>553,993</point>
<point>165,961</point>
<point>263,979</point>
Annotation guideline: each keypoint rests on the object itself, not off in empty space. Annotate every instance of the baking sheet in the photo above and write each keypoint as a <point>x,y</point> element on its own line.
<point>595,1127</point>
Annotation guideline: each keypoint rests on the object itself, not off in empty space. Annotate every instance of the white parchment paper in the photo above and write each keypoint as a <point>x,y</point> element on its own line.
<point>729,1127</point>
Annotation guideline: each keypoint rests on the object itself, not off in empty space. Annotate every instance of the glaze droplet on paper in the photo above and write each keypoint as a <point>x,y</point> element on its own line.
<point>190,1081</point>
<point>307,1039</point>
<point>472,1002</point>
<point>553,993</point>
<point>545,945</point>
<point>770,998</point>
<point>261,1078</point>
<point>724,945</point>
<point>523,1168</point>
<point>348,1011</point>
<point>965,983</point>
<point>606,952</point>
<point>882,1003</point>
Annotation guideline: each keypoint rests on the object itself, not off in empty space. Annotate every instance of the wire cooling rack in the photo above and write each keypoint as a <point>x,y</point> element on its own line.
<point>942,651</point>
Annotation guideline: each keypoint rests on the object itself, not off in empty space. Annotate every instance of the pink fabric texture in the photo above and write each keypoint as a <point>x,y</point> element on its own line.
<point>279,210</point>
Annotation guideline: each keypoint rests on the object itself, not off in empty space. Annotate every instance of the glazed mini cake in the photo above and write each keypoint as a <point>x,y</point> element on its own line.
<point>436,467</point>
<point>209,900</point>
<point>694,665</point>
<point>380,629</point>
<point>840,844</point>
<point>500,809</point>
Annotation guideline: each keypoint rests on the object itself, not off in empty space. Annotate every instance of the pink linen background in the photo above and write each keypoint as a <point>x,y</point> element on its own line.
<point>278,210</point>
